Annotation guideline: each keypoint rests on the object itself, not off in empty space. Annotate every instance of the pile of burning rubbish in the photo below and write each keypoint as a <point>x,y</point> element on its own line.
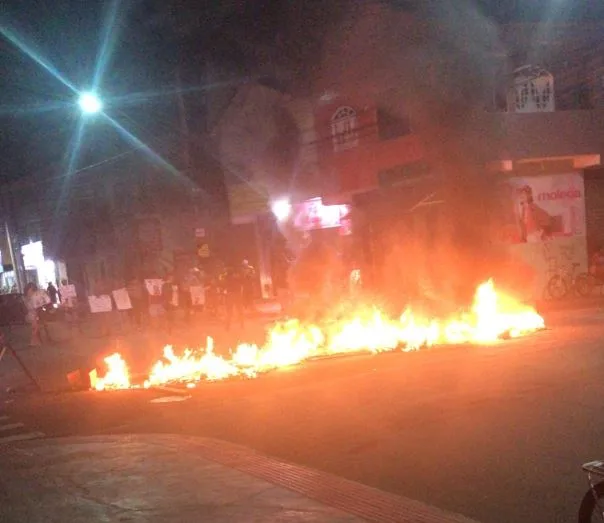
<point>492,316</point>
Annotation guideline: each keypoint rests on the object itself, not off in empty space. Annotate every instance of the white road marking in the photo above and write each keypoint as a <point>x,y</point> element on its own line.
<point>21,437</point>
<point>169,399</point>
<point>11,426</point>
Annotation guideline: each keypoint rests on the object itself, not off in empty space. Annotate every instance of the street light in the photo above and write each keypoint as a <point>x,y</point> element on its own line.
<point>90,103</point>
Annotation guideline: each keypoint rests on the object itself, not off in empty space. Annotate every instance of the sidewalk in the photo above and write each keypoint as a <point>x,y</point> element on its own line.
<point>169,479</point>
<point>570,304</point>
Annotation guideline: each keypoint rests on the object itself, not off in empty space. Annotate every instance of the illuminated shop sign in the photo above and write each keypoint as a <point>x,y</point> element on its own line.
<point>312,214</point>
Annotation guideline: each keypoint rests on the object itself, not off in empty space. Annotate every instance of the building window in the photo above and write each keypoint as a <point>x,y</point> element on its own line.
<point>532,90</point>
<point>391,126</point>
<point>344,130</point>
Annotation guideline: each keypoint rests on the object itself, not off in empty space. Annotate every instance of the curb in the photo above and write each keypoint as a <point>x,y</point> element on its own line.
<point>365,502</point>
<point>348,496</point>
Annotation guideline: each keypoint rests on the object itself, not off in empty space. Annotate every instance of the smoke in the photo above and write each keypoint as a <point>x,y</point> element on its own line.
<point>436,67</point>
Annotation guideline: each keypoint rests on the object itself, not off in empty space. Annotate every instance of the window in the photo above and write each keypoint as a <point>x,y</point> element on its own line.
<point>532,90</point>
<point>391,125</point>
<point>344,129</point>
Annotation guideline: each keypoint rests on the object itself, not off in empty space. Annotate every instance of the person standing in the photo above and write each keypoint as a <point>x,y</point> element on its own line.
<point>69,303</point>
<point>157,312</point>
<point>248,276</point>
<point>33,304</point>
<point>53,293</point>
<point>169,295</point>
<point>596,266</point>
<point>233,294</point>
<point>136,293</point>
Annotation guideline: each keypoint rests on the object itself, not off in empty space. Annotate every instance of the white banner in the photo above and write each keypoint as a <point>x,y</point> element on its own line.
<point>67,291</point>
<point>100,303</point>
<point>174,299</point>
<point>198,295</point>
<point>122,299</point>
<point>154,286</point>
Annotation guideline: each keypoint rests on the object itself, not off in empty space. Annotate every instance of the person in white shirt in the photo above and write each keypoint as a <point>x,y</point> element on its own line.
<point>33,301</point>
<point>69,301</point>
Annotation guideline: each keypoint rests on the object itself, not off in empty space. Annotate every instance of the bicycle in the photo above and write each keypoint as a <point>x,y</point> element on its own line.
<point>592,503</point>
<point>566,281</point>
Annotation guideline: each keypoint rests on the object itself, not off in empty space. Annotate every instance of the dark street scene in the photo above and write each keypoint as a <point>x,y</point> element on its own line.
<point>302,261</point>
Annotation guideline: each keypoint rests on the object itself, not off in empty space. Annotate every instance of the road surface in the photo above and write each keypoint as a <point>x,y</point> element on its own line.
<point>497,433</point>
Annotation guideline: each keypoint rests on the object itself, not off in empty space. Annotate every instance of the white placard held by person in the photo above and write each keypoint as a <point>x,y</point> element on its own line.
<point>122,299</point>
<point>198,295</point>
<point>100,303</point>
<point>154,286</point>
<point>68,291</point>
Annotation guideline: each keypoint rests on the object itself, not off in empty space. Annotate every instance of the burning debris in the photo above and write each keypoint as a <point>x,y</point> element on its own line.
<point>117,376</point>
<point>492,316</point>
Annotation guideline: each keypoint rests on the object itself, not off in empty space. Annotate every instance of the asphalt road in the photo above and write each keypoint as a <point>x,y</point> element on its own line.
<point>497,433</point>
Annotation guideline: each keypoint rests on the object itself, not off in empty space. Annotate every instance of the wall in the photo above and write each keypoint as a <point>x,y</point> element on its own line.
<point>594,208</point>
<point>548,232</point>
<point>356,166</point>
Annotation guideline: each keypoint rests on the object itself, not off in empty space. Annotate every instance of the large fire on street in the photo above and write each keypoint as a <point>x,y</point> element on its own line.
<point>493,315</point>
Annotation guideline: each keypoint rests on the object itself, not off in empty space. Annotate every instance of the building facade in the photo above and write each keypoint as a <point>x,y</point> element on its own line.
<point>533,148</point>
<point>102,226</point>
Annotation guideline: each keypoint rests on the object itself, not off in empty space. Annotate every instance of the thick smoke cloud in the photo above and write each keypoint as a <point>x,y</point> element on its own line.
<point>435,66</point>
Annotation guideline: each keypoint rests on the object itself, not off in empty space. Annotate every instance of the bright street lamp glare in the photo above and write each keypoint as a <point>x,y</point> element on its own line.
<point>281,209</point>
<point>90,103</point>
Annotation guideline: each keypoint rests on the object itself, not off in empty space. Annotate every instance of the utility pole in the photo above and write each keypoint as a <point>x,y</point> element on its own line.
<point>8,227</point>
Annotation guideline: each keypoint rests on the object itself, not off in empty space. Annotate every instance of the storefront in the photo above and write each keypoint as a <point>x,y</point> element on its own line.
<point>37,268</point>
<point>319,238</point>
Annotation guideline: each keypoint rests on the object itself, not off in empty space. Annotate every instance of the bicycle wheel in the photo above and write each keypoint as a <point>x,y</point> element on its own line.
<point>592,504</point>
<point>584,284</point>
<point>557,287</point>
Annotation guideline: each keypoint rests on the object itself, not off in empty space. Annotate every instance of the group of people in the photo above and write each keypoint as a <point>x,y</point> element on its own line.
<point>231,290</point>
<point>229,293</point>
<point>35,301</point>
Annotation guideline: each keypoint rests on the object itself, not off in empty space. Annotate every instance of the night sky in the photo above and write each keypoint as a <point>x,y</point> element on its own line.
<point>152,37</point>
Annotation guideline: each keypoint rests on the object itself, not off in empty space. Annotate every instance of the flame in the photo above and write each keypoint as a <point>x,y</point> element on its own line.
<point>492,316</point>
<point>117,377</point>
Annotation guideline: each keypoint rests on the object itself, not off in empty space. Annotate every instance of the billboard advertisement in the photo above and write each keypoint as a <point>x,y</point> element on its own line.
<point>312,215</point>
<point>542,220</point>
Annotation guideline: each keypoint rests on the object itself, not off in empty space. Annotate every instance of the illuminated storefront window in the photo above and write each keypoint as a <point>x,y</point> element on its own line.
<point>33,260</point>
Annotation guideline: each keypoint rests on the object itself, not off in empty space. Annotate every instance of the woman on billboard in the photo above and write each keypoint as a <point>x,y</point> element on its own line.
<point>535,223</point>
